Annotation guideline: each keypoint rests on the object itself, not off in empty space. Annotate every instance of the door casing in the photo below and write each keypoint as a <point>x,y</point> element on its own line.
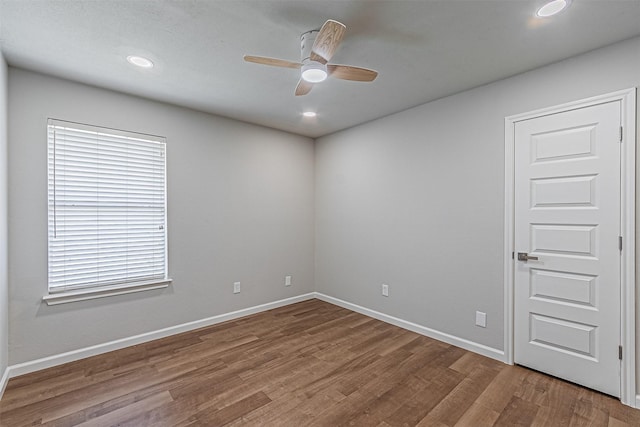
<point>627,99</point>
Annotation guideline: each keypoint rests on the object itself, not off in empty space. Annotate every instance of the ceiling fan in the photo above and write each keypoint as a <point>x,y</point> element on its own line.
<point>317,48</point>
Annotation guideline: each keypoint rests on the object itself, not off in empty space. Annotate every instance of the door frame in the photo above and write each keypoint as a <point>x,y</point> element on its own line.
<point>627,99</point>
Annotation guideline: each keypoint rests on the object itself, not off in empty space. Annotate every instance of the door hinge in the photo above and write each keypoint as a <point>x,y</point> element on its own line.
<point>621,133</point>
<point>620,352</point>
<point>620,243</point>
<point>513,255</point>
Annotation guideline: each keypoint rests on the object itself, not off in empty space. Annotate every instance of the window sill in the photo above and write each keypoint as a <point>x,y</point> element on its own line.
<point>101,292</point>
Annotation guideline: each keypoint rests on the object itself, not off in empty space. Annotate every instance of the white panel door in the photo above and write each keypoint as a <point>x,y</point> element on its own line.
<point>567,215</point>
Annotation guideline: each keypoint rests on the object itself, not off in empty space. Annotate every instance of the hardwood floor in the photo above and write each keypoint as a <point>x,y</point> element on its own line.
<point>310,363</point>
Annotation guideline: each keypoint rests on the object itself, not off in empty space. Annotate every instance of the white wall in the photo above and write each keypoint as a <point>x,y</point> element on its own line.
<point>240,208</point>
<point>416,199</point>
<point>4,237</point>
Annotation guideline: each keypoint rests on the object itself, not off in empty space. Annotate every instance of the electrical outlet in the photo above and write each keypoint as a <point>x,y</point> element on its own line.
<point>236,287</point>
<point>385,290</point>
<point>287,280</point>
<point>481,319</point>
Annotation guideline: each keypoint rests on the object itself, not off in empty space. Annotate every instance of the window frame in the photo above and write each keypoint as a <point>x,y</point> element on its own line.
<point>99,290</point>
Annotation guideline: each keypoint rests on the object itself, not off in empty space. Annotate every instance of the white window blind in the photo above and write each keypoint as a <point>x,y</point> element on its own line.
<point>107,207</point>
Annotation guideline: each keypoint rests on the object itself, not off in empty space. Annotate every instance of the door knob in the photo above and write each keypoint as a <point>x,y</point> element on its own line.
<point>523,256</point>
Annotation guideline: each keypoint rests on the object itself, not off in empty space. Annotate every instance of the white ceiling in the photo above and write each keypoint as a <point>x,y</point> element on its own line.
<point>423,50</point>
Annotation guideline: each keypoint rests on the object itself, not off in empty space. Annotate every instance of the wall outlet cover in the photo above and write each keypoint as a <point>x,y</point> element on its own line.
<point>481,319</point>
<point>236,287</point>
<point>385,290</point>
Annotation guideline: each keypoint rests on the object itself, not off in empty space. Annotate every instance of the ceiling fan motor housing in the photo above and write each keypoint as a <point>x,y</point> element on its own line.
<point>312,71</point>
<point>306,44</point>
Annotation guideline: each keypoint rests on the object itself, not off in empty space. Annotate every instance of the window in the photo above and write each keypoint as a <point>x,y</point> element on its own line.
<point>107,211</point>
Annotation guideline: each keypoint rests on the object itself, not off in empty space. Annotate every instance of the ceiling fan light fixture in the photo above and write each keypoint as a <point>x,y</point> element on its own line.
<point>552,8</point>
<point>314,72</point>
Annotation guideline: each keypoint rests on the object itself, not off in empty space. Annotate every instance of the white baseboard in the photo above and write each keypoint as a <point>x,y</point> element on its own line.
<point>71,356</point>
<point>484,350</point>
<point>59,359</point>
<point>4,381</point>
<point>637,402</point>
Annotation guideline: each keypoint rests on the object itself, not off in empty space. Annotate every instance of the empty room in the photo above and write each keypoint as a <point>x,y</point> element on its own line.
<point>319,213</point>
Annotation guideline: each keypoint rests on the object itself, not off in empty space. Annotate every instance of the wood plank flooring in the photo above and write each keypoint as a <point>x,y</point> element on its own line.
<point>307,364</point>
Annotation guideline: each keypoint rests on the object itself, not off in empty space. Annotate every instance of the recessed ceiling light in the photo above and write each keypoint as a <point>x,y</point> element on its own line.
<point>309,114</point>
<point>552,8</point>
<point>140,61</point>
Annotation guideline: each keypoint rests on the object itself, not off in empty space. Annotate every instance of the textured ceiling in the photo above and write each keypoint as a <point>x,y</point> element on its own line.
<point>423,50</point>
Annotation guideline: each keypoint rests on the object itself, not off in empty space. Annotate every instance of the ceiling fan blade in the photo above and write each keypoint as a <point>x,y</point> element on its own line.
<point>303,88</point>
<point>347,72</point>
<point>327,41</point>
<point>272,61</point>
